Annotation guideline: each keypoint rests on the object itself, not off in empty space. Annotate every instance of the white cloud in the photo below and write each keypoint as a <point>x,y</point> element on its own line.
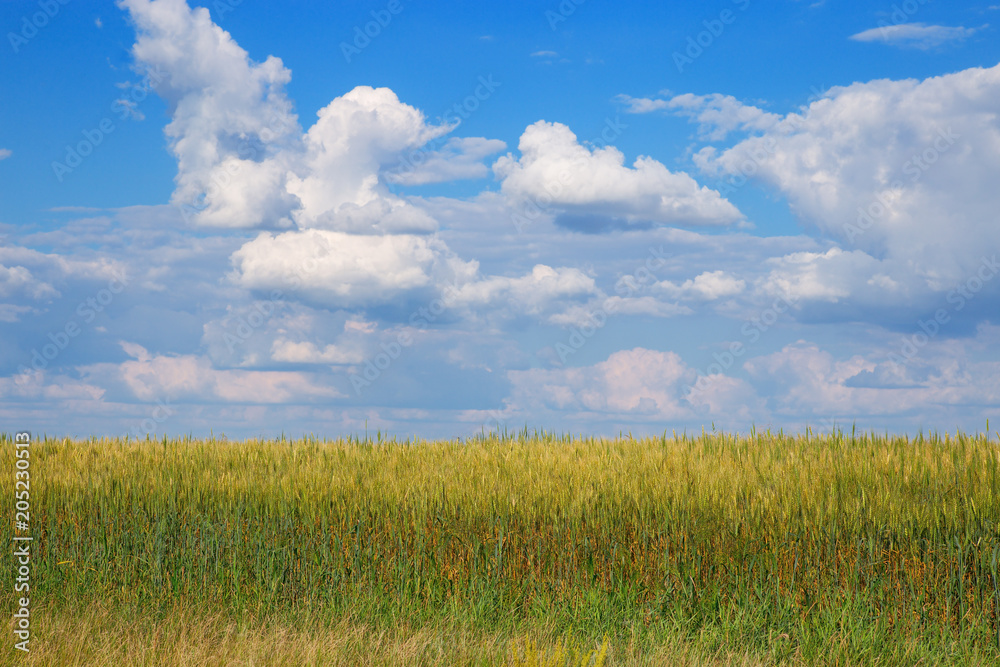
<point>275,332</point>
<point>901,170</point>
<point>10,312</point>
<point>717,115</point>
<point>639,381</point>
<point>188,377</point>
<point>48,387</point>
<point>812,381</point>
<point>459,158</point>
<point>238,143</point>
<point>642,104</point>
<point>36,275</point>
<point>544,54</point>
<point>808,380</point>
<point>230,116</point>
<point>915,35</point>
<point>555,170</point>
<point>706,286</point>
<point>5,153</point>
<point>17,280</point>
<point>344,270</point>
<point>830,276</point>
<point>354,137</point>
<point>531,293</point>
<point>383,215</point>
<point>798,384</point>
<point>591,313</point>
<point>305,352</point>
<point>631,385</point>
<point>243,160</point>
<point>130,107</point>
<point>135,351</point>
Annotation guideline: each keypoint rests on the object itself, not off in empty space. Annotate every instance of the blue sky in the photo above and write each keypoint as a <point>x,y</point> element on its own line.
<point>586,217</point>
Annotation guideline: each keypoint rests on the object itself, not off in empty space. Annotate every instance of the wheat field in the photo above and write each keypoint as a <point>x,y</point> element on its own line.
<point>524,548</point>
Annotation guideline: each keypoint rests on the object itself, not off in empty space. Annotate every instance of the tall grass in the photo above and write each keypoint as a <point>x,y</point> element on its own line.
<point>857,548</point>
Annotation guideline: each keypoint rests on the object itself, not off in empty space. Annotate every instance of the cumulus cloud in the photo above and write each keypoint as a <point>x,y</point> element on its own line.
<point>915,35</point>
<point>5,153</point>
<point>825,276</point>
<point>230,117</point>
<point>899,170</point>
<point>243,160</point>
<point>639,381</point>
<point>344,270</point>
<point>634,385</point>
<point>354,136</point>
<point>556,171</point>
<point>805,379</point>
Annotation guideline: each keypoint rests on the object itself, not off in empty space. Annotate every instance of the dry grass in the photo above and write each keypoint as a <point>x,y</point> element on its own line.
<point>99,636</point>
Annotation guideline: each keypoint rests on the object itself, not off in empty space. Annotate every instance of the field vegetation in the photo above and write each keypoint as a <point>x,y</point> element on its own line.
<point>762,548</point>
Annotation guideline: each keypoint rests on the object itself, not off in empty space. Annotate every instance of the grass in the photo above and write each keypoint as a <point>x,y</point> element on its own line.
<point>715,549</point>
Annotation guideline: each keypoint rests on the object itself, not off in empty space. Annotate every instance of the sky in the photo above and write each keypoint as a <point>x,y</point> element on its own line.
<point>435,219</point>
